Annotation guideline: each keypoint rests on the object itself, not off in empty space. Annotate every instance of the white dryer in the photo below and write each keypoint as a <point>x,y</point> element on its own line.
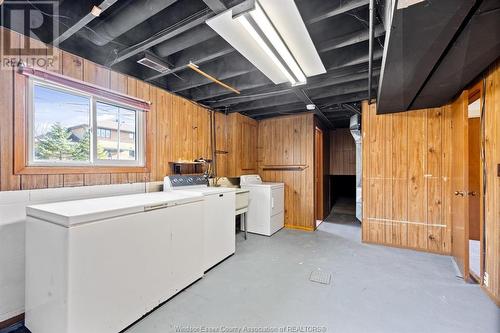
<point>266,209</point>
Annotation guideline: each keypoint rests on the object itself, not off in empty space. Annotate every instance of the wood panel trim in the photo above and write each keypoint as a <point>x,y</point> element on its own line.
<point>56,170</point>
<point>299,227</point>
<point>285,167</point>
<point>495,299</point>
<point>403,247</point>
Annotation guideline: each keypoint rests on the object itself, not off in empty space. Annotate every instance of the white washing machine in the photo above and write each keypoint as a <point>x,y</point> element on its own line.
<point>219,239</point>
<point>266,209</point>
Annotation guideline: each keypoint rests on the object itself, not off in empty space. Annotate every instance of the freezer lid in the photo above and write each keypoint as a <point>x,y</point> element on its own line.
<point>77,212</point>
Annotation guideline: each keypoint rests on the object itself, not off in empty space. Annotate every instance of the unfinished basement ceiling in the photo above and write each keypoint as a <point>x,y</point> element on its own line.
<point>176,32</point>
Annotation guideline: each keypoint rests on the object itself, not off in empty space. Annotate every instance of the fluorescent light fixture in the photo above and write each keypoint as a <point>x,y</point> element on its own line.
<point>310,106</point>
<point>255,35</point>
<point>273,37</point>
<point>267,27</point>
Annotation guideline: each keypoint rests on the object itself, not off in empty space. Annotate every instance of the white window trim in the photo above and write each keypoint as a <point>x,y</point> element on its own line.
<point>140,132</point>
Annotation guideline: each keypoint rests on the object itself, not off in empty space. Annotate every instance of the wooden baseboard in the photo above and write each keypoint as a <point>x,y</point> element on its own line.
<point>11,321</point>
<point>299,227</point>
<point>495,299</point>
<point>406,248</point>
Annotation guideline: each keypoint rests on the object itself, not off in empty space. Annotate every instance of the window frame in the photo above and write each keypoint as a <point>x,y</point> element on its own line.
<point>25,163</point>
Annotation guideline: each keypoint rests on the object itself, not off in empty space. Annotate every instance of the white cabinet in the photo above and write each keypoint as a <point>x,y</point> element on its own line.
<point>218,228</point>
<point>102,275</point>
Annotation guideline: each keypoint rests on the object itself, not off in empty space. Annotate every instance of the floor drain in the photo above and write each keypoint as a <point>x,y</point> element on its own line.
<point>320,277</point>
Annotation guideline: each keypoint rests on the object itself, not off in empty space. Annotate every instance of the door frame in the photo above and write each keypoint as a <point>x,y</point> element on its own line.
<point>318,175</point>
<point>476,93</point>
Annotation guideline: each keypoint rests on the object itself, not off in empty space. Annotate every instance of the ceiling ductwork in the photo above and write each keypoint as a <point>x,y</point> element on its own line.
<point>189,38</point>
<point>128,16</point>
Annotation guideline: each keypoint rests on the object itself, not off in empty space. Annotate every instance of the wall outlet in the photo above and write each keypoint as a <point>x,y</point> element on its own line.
<point>486,279</point>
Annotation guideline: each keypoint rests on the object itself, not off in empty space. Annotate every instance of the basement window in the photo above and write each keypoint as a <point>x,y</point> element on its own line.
<point>68,127</point>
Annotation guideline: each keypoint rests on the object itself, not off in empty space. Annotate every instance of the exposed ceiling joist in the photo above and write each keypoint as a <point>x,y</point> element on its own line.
<point>170,32</point>
<point>343,8</point>
<point>350,39</point>
<point>266,103</point>
<point>325,81</point>
<point>348,98</point>
<point>255,81</point>
<point>352,108</point>
<point>222,69</point>
<point>377,55</point>
<point>297,106</point>
<point>343,89</point>
<point>226,72</point>
<point>243,82</point>
<point>83,22</point>
<point>215,5</point>
<point>316,94</point>
<point>211,50</point>
<point>252,97</point>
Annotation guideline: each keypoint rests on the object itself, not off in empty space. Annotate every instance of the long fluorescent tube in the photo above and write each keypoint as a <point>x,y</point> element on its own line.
<point>267,27</point>
<point>255,35</point>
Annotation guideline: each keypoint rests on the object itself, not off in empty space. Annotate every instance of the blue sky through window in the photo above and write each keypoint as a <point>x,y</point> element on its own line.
<point>54,106</point>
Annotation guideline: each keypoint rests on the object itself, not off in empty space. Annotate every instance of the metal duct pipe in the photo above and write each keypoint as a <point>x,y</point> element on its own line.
<point>370,50</point>
<point>355,128</point>
<point>129,16</point>
<point>183,41</point>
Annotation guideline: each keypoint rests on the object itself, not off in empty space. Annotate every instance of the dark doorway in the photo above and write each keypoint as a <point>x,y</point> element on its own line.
<point>343,194</point>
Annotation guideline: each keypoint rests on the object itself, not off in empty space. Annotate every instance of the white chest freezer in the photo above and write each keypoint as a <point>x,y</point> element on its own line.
<point>99,265</point>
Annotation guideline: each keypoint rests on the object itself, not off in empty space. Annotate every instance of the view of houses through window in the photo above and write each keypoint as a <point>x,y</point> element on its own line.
<point>61,128</point>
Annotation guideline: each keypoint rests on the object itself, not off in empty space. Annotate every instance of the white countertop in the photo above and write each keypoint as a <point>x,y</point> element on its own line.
<point>71,213</point>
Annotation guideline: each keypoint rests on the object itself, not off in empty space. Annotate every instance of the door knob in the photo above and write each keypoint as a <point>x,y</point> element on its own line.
<point>472,194</point>
<point>459,193</point>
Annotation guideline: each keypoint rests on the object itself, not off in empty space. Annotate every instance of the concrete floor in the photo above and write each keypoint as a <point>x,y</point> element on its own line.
<point>373,289</point>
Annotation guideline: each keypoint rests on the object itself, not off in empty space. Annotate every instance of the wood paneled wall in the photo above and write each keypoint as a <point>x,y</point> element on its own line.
<point>406,187</point>
<point>286,154</point>
<point>492,197</point>
<point>406,184</point>
<point>177,129</point>
<point>241,144</point>
<point>342,152</point>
